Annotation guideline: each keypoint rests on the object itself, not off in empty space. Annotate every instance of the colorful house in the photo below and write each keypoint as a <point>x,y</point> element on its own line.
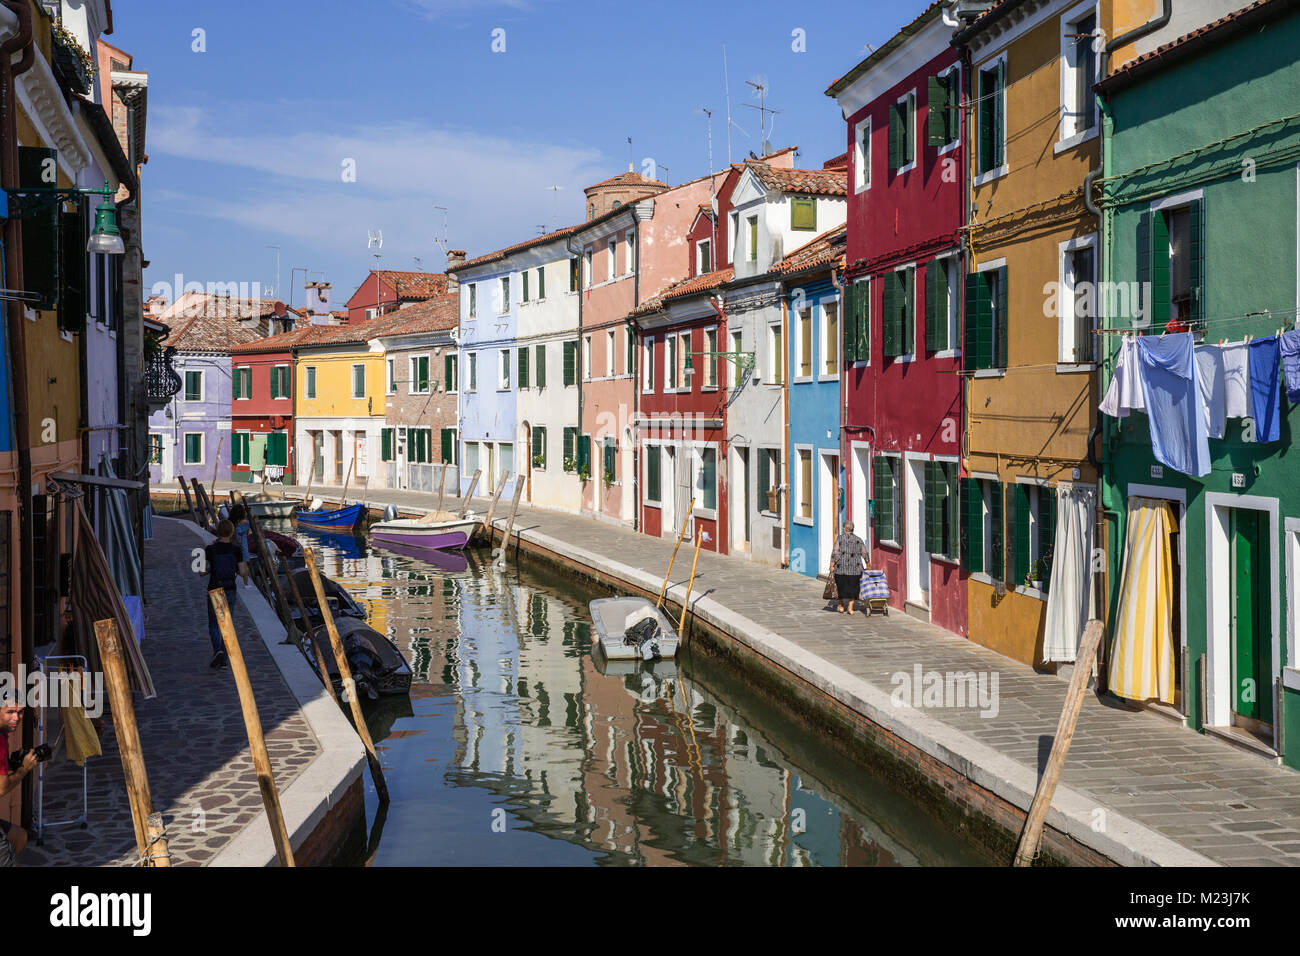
<point>383,290</point>
<point>903,409</point>
<point>1201,204</point>
<point>420,432</point>
<point>262,406</point>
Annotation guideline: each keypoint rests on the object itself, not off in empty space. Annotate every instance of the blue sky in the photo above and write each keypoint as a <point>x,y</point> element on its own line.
<point>248,140</point>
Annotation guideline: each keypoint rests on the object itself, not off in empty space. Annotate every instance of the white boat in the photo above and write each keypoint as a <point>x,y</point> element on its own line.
<point>265,506</point>
<point>432,535</point>
<point>612,617</point>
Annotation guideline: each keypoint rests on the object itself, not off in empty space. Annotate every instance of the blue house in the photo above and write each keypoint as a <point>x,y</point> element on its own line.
<point>815,479</point>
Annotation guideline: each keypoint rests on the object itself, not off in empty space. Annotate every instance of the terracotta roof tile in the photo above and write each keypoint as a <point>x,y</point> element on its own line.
<point>827,249</point>
<point>810,182</point>
<point>628,179</point>
<point>686,287</point>
<point>216,323</point>
<point>432,315</point>
<point>518,247</point>
<point>414,285</point>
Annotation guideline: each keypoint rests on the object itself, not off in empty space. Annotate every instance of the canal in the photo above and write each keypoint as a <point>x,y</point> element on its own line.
<point>517,746</point>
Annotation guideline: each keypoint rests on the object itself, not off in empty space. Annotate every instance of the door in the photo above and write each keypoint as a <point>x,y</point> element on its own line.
<point>1252,665</point>
<point>740,508</point>
<point>338,456</point>
<point>359,449</point>
<point>827,508</point>
<point>318,455</point>
<point>918,559</point>
<point>668,491</point>
<point>168,459</point>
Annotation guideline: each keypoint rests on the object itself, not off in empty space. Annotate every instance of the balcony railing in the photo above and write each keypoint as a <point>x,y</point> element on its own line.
<point>160,378</point>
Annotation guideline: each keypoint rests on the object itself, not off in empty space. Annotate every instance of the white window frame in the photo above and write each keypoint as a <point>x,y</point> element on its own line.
<point>589,266</point>
<point>703,262</point>
<point>353,381</point>
<point>670,363</point>
<point>1067,135</point>
<point>955,290</point>
<point>957,130</point>
<point>798,346</point>
<point>1065,300</point>
<point>629,254</point>
<point>288,378</point>
<point>735,237</point>
<point>503,287</point>
<point>503,369</point>
<point>309,381</point>
<point>390,370</point>
<point>203,386</point>
<point>823,338</point>
<point>586,358</point>
<point>454,386</point>
<point>862,156</point>
<point>428,375</point>
<point>775,474</point>
<point>235,375</point>
<point>899,478</point>
<point>648,366</point>
<point>611,353</point>
<point>712,360</point>
<point>612,246</point>
<point>471,305</point>
<point>471,385</point>
<point>203,448</point>
<point>737,344</point>
<point>775,356</point>
<point>916,133</point>
<point>1291,544</point>
<point>917,347</point>
<point>796,485</point>
<point>683,350</point>
<point>997,171</point>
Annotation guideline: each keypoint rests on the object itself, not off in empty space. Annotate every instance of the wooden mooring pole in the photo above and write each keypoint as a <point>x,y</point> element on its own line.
<point>442,487</point>
<point>510,524</point>
<point>253,724</point>
<point>188,502</point>
<point>1083,662</point>
<point>469,492</point>
<point>309,630</point>
<point>681,625</point>
<point>487,524</point>
<point>150,838</point>
<point>680,535</point>
<point>345,675</point>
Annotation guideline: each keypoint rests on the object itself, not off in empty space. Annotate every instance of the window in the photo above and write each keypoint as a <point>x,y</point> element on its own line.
<point>670,362</point>
<point>735,236</point>
<point>473,372</point>
<point>522,358</point>
<point>386,445</point>
<point>311,381</point>
<point>985,346</point>
<point>574,274</point>
<point>941,518</point>
<point>943,117</point>
<point>280,381</point>
<point>471,458</point>
<point>769,480</point>
<point>390,374</point>
<point>990,118</point>
<point>704,479</point>
<point>653,476</point>
<point>775,355</point>
<point>570,449</point>
<point>902,133</point>
<point>703,257</point>
<point>541,283</point>
<point>155,448</point>
<point>419,448</point>
<point>981,527</point>
<point>884,498</point>
<point>523,293</point>
<point>613,258</point>
<point>539,352</point>
<point>1079,73</point>
<point>505,294</point>
<point>503,370</point>
<point>940,304</point>
<point>648,366</point>
<point>570,363</point>
<point>610,352</point>
<point>277,448</point>
<point>898,313</point>
<point>194,448</point>
<point>586,358</point>
<point>1171,265</point>
<point>610,462</point>
<point>803,485</point>
<point>473,300</point>
<point>857,322</point>
<point>830,338</point>
<point>450,373</point>
<point>1032,522</point>
<point>862,155</point>
<point>710,361</point>
<point>194,386</point>
<point>629,352</point>
<point>753,238</point>
<point>449,446</point>
<point>239,443</point>
<point>358,381</point>
<point>630,253</point>
<point>684,359</point>
<point>734,364</point>
<point>419,383</point>
<point>804,362</point>
<point>587,273</point>
<point>242,383</point>
<point>803,213</point>
<point>1076,303</point>
<point>539,447</point>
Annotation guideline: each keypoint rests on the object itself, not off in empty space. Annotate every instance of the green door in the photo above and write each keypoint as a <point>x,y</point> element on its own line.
<point>1252,678</point>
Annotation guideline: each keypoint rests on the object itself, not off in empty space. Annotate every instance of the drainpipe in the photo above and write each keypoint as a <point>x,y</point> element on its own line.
<point>1155,23</point>
<point>15,321</point>
<point>844,398</point>
<point>634,329</point>
<point>785,451</point>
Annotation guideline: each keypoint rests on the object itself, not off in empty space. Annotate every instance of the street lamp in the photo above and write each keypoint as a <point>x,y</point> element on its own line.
<point>105,239</point>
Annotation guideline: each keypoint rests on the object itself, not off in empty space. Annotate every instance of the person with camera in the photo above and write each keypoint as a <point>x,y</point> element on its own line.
<point>11,715</point>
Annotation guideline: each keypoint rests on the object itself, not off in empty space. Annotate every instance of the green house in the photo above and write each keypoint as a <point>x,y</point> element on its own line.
<point>1201,157</point>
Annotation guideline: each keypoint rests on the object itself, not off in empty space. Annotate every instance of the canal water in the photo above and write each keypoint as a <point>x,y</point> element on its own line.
<point>518,747</point>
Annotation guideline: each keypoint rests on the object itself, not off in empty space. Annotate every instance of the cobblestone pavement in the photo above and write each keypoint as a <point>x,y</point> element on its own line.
<point>1225,803</point>
<point>195,746</point>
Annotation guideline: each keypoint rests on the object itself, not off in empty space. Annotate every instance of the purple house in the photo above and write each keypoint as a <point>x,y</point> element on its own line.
<point>190,436</point>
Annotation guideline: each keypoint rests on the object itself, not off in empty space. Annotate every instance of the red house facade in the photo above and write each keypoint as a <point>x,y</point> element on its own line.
<point>262,404</point>
<point>386,289</point>
<point>902,440</point>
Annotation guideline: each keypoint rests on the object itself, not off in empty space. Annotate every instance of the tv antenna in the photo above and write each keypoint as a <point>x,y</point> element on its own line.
<point>271,291</point>
<point>555,205</point>
<point>375,238</point>
<point>419,263</point>
<point>763,110</point>
<point>442,243</point>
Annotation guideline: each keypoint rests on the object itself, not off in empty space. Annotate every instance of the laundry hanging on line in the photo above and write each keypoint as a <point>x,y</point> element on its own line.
<point>1171,391</point>
<point>1289,344</point>
<point>1265,393</point>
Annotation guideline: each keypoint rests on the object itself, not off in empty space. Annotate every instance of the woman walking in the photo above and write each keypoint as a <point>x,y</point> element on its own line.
<point>847,563</point>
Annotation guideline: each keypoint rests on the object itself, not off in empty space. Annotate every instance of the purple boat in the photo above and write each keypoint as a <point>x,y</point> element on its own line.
<point>426,536</point>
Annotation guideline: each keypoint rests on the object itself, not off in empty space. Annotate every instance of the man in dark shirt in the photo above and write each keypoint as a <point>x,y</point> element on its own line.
<point>11,715</point>
<point>225,561</point>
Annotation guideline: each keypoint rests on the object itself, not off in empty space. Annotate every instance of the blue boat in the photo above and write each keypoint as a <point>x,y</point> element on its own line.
<point>335,519</point>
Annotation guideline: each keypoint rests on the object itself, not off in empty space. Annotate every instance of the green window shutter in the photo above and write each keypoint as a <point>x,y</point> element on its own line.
<point>999,116</point>
<point>541,283</point>
<point>895,138</point>
<point>985,109</point>
<point>447,439</point>
<point>972,525</point>
<point>1196,256</point>
<point>525,275</point>
<point>570,364</point>
<point>951,547</point>
<point>1157,257</point>
<point>909,310</point>
<point>882,498</point>
<point>864,321</point>
<point>997,566</point>
<point>803,213</point>
<point>848,327</point>
<point>936,305</point>
<point>936,492</point>
<point>237,454</point>
<point>536,438</point>
<point>764,477</point>
<point>584,452</point>
<point>909,129</point>
<point>652,478</point>
<point>936,127</point>
<point>1046,530</point>
<point>447,383</point>
<point>523,365</point>
<point>609,456</point>
<point>1019,562</point>
<point>889,323</point>
<point>386,444</point>
<point>422,373</point>
<point>541,366</point>
<point>277,449</point>
<point>999,319</point>
<point>569,438</point>
<point>40,227</point>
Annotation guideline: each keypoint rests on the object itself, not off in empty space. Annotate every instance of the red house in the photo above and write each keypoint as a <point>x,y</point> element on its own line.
<point>386,289</point>
<point>902,440</point>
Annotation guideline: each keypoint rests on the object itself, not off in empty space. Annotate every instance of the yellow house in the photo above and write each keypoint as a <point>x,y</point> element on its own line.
<point>341,385</point>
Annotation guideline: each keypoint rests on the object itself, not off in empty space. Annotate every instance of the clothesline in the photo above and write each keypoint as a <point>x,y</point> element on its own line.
<point>1202,325</point>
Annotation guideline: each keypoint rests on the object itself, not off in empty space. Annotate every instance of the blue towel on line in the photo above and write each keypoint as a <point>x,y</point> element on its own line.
<point>1175,409</point>
<point>1265,388</point>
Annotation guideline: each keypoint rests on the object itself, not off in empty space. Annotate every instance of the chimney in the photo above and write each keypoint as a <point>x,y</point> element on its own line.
<point>455,259</point>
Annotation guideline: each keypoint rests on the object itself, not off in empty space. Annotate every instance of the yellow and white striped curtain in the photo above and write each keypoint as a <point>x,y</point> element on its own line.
<point>1142,657</point>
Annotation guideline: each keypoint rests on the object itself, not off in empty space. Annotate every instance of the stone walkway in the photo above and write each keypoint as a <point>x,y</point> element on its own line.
<point>195,746</point>
<point>1228,805</point>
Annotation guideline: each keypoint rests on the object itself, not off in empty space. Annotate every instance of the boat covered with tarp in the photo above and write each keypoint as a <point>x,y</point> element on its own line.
<point>632,628</point>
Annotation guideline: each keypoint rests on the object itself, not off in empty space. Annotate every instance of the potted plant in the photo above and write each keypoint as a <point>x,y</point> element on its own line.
<point>570,464</point>
<point>73,63</point>
<point>584,473</point>
<point>609,477</point>
<point>539,461</point>
<point>1037,574</point>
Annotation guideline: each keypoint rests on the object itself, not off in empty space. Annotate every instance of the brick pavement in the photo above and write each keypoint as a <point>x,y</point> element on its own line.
<point>192,733</point>
<point>1229,805</point>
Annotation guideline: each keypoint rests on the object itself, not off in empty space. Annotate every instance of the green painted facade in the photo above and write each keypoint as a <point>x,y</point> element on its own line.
<point>1216,128</point>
